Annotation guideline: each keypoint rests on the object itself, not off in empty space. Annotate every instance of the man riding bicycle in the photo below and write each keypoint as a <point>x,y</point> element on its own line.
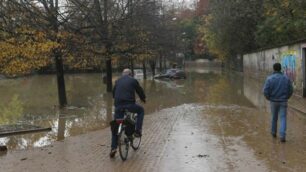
<point>124,95</point>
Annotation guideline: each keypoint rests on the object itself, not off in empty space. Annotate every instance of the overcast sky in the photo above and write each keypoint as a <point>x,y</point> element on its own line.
<point>188,3</point>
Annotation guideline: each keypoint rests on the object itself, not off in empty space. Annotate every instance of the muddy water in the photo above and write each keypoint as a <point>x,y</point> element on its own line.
<point>234,111</point>
<point>33,100</point>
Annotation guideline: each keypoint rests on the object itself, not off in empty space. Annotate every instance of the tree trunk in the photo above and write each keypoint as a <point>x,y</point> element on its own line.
<point>61,127</point>
<point>160,62</point>
<point>153,66</point>
<point>107,41</point>
<point>144,68</point>
<point>304,72</point>
<point>58,58</point>
<point>60,81</point>
<point>109,82</point>
<point>108,97</point>
<point>132,66</point>
<point>165,63</point>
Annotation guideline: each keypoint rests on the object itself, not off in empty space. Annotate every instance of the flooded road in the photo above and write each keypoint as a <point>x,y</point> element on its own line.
<point>213,121</point>
<point>33,100</point>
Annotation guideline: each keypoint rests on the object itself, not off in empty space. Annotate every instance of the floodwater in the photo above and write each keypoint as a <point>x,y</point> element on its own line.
<point>232,110</point>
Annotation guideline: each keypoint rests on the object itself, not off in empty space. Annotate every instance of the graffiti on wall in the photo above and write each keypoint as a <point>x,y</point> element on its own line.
<point>288,61</point>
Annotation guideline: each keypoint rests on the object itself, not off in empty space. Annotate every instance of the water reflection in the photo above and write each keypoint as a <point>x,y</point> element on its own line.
<point>11,111</point>
<point>251,126</point>
<point>253,91</point>
<point>91,108</point>
<point>61,128</point>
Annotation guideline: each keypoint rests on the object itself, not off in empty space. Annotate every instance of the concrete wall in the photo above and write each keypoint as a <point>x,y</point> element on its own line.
<point>260,64</point>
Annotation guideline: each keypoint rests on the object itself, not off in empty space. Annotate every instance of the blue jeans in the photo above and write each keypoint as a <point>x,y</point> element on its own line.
<point>279,108</point>
<point>119,114</point>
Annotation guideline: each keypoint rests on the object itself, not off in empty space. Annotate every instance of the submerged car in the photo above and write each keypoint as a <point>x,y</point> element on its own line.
<point>171,74</point>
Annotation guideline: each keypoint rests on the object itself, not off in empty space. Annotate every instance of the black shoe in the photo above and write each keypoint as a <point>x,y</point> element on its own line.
<point>283,140</point>
<point>273,135</point>
<point>137,133</point>
<point>112,153</point>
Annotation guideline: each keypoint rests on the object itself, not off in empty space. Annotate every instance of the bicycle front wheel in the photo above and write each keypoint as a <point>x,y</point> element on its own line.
<point>123,144</point>
<point>136,140</point>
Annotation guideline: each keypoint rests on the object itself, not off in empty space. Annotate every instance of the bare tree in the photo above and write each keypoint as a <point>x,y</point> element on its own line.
<point>102,19</point>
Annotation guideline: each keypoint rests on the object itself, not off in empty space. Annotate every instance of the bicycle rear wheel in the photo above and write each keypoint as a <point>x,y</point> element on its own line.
<point>136,143</point>
<point>123,144</point>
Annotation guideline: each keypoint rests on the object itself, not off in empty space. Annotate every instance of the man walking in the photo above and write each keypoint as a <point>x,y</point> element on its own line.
<point>278,89</point>
<point>124,95</point>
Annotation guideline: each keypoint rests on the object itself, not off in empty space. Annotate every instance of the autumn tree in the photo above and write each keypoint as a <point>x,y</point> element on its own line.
<point>236,27</point>
<point>284,21</point>
<point>39,28</point>
<point>229,28</point>
<point>100,20</point>
<point>24,52</point>
<point>145,22</point>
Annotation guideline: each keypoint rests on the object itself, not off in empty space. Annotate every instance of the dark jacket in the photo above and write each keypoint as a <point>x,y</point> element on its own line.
<point>278,88</point>
<point>124,91</point>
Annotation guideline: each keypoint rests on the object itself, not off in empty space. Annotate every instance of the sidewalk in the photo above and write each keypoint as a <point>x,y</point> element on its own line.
<point>298,103</point>
<point>174,139</point>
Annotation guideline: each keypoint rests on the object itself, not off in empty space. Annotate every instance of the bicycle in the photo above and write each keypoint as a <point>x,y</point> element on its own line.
<point>125,134</point>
